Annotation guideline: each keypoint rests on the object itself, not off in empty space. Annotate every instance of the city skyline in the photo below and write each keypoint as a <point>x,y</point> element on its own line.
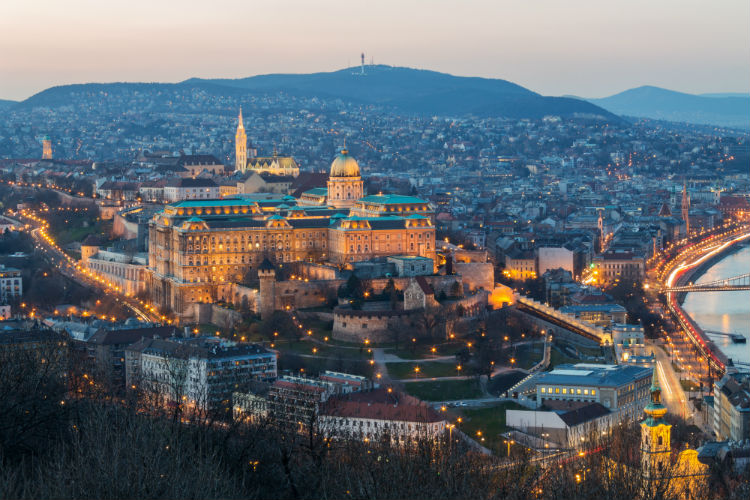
<point>697,49</point>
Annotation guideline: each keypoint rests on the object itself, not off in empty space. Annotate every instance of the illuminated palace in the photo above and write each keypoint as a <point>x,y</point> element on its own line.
<point>199,248</point>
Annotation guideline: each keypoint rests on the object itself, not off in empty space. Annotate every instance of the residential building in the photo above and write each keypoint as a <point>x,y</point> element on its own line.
<point>11,283</point>
<point>107,348</point>
<point>612,266</point>
<point>199,372</point>
<point>731,413</point>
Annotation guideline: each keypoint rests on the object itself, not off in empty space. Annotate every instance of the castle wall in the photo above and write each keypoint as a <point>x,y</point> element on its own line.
<point>476,274</point>
<point>375,326</point>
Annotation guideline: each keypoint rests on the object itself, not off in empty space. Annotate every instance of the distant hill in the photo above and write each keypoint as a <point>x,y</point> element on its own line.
<point>4,104</point>
<point>661,104</point>
<point>727,94</point>
<point>419,91</point>
<point>404,89</point>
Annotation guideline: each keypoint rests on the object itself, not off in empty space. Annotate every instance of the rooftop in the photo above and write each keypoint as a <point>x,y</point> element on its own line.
<point>391,199</point>
<point>594,375</point>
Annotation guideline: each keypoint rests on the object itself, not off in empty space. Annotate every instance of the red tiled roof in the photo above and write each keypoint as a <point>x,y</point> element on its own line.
<point>426,288</point>
<point>381,405</point>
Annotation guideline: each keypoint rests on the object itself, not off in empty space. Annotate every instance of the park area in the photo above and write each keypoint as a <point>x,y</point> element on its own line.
<point>445,390</point>
<point>486,424</point>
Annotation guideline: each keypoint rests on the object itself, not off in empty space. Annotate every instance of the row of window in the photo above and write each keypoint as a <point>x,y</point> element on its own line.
<point>566,390</point>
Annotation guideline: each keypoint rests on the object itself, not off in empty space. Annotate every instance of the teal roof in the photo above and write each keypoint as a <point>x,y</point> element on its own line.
<point>317,192</point>
<point>275,217</point>
<point>194,219</point>
<point>391,199</point>
<point>226,202</point>
<point>384,218</point>
<point>416,216</point>
<point>263,197</point>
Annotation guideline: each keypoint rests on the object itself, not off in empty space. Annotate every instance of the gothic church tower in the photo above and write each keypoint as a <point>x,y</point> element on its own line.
<point>240,146</point>
<point>686,208</point>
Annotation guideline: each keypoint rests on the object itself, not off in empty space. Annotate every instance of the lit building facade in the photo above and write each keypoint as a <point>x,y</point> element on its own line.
<point>345,185</point>
<point>46,148</point>
<point>611,266</point>
<point>11,283</point>
<point>199,248</point>
<point>622,389</point>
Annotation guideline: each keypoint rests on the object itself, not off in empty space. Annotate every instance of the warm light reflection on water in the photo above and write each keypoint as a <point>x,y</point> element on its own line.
<point>724,311</point>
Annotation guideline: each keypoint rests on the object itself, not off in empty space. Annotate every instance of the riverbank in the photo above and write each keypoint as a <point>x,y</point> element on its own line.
<point>693,275</point>
<point>726,311</point>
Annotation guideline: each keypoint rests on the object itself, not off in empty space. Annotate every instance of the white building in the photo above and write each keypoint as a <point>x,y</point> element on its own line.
<point>11,283</point>
<point>563,429</point>
<point>555,258</point>
<point>191,189</point>
<point>380,414</point>
<point>127,273</point>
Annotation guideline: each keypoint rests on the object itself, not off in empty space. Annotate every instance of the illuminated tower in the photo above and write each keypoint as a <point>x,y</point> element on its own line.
<point>46,148</point>
<point>344,183</point>
<point>240,146</point>
<point>655,435</point>
<point>686,208</point>
<point>600,225</point>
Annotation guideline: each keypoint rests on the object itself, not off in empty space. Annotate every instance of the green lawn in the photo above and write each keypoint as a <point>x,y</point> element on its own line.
<point>558,358</point>
<point>74,230</point>
<point>324,350</point>
<point>529,355</point>
<point>446,390</point>
<point>314,366</point>
<point>424,351</point>
<point>426,370</point>
<point>490,422</point>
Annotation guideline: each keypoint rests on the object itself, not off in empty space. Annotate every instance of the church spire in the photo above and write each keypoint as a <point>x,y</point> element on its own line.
<point>240,145</point>
<point>686,208</point>
<point>655,410</point>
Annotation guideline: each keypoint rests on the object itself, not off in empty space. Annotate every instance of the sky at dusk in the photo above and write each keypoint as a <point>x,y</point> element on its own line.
<point>587,48</point>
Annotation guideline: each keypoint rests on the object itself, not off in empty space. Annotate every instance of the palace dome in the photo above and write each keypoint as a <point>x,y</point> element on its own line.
<point>344,165</point>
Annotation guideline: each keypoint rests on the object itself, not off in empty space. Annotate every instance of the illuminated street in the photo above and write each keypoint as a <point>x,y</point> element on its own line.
<point>67,266</point>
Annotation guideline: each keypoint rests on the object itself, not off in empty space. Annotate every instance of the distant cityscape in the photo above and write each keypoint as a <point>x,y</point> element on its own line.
<point>279,286</point>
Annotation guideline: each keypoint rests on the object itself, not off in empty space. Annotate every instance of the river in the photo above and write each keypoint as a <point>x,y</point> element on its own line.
<point>724,311</point>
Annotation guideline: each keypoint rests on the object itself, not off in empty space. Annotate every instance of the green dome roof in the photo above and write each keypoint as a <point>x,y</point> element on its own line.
<point>344,165</point>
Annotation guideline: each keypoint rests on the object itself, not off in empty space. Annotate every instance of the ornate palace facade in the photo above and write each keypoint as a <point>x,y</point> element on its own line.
<point>199,248</point>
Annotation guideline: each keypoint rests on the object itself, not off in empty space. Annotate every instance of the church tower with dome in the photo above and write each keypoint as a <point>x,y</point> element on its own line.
<point>345,185</point>
<point>655,435</point>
